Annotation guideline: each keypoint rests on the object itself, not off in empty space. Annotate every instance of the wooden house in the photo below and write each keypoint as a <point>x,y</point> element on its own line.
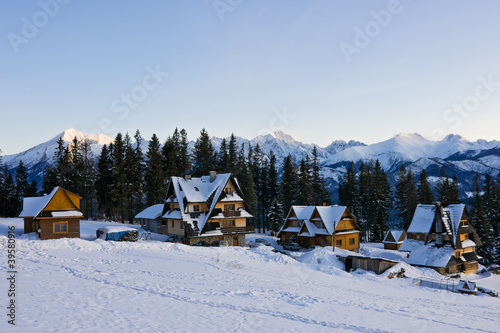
<point>207,208</point>
<point>53,216</point>
<point>442,238</point>
<point>321,225</point>
<point>151,219</point>
<point>394,239</point>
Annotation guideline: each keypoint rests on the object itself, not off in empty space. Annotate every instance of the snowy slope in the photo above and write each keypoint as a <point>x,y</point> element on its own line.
<point>45,151</point>
<point>76,285</point>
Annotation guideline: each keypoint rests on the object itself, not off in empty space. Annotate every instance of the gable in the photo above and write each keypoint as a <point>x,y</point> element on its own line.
<point>61,201</point>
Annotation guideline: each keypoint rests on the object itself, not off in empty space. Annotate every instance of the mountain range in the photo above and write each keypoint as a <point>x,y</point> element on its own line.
<point>457,155</point>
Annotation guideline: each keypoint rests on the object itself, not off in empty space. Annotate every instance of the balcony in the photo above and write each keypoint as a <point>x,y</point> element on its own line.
<point>238,230</point>
<point>232,213</point>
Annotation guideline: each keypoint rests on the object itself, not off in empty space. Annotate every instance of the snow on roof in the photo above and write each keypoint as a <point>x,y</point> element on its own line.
<point>174,215</point>
<point>303,212</point>
<point>67,213</point>
<point>455,212</point>
<point>232,197</point>
<point>312,230</point>
<point>151,213</point>
<point>422,219</point>
<point>197,190</point>
<point>467,243</point>
<point>396,234</point>
<point>331,215</point>
<point>427,255</point>
<point>32,206</point>
<point>291,229</point>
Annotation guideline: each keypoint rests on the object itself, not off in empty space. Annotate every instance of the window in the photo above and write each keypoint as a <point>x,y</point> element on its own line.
<point>229,207</point>
<point>318,225</point>
<point>196,208</point>
<point>352,241</point>
<point>464,223</point>
<point>181,225</point>
<point>163,222</point>
<point>228,223</point>
<point>60,227</point>
<point>338,243</point>
<point>173,224</point>
<point>227,190</point>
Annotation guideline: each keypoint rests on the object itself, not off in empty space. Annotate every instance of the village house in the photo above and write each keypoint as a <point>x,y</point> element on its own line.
<point>207,208</point>
<point>151,219</point>
<point>321,225</point>
<point>53,216</point>
<point>442,238</point>
<point>394,239</point>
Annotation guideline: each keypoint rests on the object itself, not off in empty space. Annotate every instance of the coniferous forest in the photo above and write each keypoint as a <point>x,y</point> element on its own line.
<point>123,180</point>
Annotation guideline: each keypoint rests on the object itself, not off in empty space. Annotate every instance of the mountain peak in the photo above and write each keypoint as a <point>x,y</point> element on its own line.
<point>280,135</point>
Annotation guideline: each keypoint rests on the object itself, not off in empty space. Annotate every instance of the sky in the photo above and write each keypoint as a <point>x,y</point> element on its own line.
<point>318,70</point>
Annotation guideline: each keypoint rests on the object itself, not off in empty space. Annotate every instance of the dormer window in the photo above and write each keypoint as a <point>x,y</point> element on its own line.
<point>196,208</point>
<point>228,190</point>
<point>464,223</point>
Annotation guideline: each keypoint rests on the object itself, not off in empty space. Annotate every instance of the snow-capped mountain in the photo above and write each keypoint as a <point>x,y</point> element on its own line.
<point>457,155</point>
<point>36,159</point>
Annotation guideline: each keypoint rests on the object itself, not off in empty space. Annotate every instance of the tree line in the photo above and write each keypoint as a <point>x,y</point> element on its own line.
<point>367,193</point>
<point>123,180</point>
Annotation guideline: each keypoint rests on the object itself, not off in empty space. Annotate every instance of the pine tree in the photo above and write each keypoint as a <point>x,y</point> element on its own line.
<point>223,157</point>
<point>118,192</point>
<point>406,196</point>
<point>155,186</point>
<point>448,192</point>
<point>170,153</point>
<point>184,158</point>
<point>320,193</point>
<point>88,179</point>
<point>232,151</point>
<point>424,191</point>
<point>275,216</point>
<point>2,187</point>
<point>22,186</point>
<point>349,190</point>
<point>366,202</point>
<point>32,189</point>
<point>204,155</point>
<point>383,199</point>
<point>104,181</point>
<point>305,188</point>
<point>11,201</point>
<point>481,222</point>
<point>289,184</point>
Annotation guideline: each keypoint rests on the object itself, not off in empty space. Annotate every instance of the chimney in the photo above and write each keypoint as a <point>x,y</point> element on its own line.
<point>187,177</point>
<point>439,224</point>
<point>324,203</point>
<point>213,175</point>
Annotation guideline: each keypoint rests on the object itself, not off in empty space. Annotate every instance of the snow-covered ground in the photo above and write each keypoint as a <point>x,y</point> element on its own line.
<point>89,285</point>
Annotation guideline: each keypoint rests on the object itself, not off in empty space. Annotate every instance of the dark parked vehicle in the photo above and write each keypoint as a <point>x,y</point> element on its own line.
<point>174,239</point>
<point>291,246</point>
<point>219,243</point>
<point>201,243</point>
<point>262,241</point>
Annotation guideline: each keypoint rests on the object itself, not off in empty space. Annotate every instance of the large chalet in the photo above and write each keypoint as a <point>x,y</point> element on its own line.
<point>321,225</point>
<point>442,238</point>
<point>208,208</point>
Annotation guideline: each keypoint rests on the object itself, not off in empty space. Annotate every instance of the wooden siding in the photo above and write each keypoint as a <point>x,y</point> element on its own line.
<point>47,228</point>
<point>346,241</point>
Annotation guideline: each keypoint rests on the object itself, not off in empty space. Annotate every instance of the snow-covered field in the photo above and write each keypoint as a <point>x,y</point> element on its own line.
<point>89,285</point>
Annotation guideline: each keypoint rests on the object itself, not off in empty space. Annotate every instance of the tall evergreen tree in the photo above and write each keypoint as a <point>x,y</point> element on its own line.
<point>11,201</point>
<point>203,155</point>
<point>424,191</point>
<point>305,188</point>
<point>2,187</point>
<point>22,186</point>
<point>320,194</point>
<point>406,196</point>
<point>223,157</point>
<point>481,222</point>
<point>275,216</point>
<point>289,184</point>
<point>119,191</point>
<point>447,190</point>
<point>104,181</point>
<point>383,200</point>
<point>155,186</point>
<point>349,190</point>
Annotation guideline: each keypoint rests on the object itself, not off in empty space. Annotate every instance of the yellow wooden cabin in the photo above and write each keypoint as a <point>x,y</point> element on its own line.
<point>321,225</point>
<point>53,216</point>
<point>207,208</point>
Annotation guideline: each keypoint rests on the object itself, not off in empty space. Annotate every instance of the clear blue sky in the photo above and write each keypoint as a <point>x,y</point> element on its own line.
<point>233,69</point>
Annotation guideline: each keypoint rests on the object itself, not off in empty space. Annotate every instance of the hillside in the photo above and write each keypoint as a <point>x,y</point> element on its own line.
<point>83,285</point>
